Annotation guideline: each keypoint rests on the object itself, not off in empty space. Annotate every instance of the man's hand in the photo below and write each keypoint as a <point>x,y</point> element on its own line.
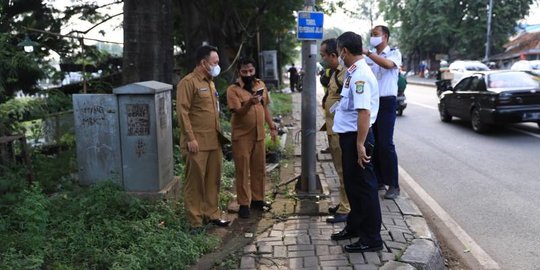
<point>254,100</point>
<point>273,135</point>
<point>193,146</point>
<point>363,158</point>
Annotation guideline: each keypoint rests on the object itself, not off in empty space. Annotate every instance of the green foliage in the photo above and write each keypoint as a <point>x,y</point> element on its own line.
<point>459,31</point>
<point>16,111</point>
<point>272,146</point>
<point>281,104</point>
<point>100,227</point>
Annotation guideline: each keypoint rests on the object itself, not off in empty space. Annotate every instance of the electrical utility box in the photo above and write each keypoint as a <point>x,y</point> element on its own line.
<point>126,136</point>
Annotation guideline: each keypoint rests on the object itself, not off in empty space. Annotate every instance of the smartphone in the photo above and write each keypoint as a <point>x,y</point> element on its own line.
<point>259,92</point>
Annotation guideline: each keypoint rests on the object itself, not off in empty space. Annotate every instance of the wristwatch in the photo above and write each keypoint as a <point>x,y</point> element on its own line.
<point>368,53</point>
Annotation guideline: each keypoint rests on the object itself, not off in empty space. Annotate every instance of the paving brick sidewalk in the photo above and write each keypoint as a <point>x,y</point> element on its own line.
<point>303,241</point>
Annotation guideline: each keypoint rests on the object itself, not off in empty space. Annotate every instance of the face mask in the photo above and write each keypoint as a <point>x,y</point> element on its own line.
<point>215,70</point>
<point>248,81</point>
<point>375,41</point>
<point>324,64</point>
<point>341,62</point>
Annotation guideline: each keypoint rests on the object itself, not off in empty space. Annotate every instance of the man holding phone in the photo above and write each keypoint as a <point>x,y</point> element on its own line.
<point>248,100</point>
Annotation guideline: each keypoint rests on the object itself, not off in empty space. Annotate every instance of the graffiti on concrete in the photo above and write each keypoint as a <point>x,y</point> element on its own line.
<point>92,115</point>
<point>138,119</point>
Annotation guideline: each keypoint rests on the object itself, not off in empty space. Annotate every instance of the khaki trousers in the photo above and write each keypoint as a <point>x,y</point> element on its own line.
<point>201,189</point>
<point>250,169</point>
<point>335,150</point>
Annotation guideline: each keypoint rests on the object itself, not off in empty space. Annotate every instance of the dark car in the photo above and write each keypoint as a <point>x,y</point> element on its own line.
<point>491,98</point>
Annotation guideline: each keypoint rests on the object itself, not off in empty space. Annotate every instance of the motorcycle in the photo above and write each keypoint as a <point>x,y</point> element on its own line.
<point>401,103</point>
<point>401,99</point>
<point>443,85</point>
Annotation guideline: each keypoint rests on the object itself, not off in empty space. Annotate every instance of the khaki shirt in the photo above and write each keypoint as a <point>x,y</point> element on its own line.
<point>198,111</point>
<point>333,98</point>
<point>251,124</point>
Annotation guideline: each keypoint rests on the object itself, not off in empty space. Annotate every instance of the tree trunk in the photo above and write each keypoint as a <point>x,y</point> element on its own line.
<point>148,46</point>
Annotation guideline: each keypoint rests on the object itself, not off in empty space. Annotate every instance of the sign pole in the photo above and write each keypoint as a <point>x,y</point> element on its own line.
<point>308,25</point>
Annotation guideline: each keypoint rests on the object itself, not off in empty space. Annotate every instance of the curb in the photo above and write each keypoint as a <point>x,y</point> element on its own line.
<point>424,251</point>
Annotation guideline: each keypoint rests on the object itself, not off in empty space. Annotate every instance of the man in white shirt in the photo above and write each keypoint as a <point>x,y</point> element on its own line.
<point>385,63</point>
<point>356,112</point>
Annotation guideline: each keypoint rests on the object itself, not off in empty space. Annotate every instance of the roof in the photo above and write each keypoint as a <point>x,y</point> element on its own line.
<point>525,43</point>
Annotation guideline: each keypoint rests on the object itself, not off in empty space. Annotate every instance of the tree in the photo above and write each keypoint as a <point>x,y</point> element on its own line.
<point>20,70</point>
<point>233,26</point>
<point>148,46</point>
<point>456,28</point>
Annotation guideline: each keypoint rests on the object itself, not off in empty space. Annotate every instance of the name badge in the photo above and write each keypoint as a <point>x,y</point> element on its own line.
<point>203,90</point>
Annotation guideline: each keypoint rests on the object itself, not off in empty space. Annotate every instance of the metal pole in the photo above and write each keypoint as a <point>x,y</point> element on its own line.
<point>309,109</point>
<point>488,38</point>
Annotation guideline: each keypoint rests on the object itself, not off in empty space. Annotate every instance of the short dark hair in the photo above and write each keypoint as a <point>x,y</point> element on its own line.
<point>203,52</point>
<point>245,61</point>
<point>331,46</point>
<point>351,41</point>
<point>384,29</point>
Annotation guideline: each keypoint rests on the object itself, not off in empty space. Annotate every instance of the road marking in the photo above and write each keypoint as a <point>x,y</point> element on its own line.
<point>524,132</point>
<point>468,243</point>
<point>423,105</point>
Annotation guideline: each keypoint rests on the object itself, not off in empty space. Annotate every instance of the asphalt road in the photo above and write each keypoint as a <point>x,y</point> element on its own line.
<point>489,184</point>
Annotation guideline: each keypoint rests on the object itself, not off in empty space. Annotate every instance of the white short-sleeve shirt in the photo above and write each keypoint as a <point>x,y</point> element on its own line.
<point>387,78</point>
<point>360,91</point>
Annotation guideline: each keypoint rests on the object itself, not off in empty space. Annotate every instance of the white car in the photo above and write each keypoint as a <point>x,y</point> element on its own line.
<point>525,65</point>
<point>460,68</point>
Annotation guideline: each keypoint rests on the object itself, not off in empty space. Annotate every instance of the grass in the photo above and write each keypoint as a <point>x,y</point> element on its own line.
<point>56,224</point>
<point>100,227</point>
<point>281,104</point>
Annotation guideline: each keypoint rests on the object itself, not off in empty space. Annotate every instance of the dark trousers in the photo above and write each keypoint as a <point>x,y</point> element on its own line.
<point>385,158</point>
<point>362,191</point>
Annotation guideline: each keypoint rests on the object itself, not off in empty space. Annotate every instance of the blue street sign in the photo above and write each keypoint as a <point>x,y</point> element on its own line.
<point>310,25</point>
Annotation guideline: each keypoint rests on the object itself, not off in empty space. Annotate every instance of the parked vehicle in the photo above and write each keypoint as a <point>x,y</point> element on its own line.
<point>492,98</point>
<point>461,68</point>
<point>525,65</point>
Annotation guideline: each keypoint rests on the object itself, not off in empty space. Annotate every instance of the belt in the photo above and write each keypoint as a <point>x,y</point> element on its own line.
<point>387,97</point>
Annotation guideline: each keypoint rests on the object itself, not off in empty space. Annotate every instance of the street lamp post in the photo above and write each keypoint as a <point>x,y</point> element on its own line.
<point>488,36</point>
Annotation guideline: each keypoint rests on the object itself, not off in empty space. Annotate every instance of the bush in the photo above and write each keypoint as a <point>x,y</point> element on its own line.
<point>100,227</point>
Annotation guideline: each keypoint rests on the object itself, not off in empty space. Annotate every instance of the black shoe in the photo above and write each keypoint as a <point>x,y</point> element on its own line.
<point>392,193</point>
<point>343,235</point>
<point>243,212</point>
<point>333,210</point>
<point>325,151</point>
<point>359,247</point>
<point>337,218</point>
<point>261,205</point>
<point>220,222</point>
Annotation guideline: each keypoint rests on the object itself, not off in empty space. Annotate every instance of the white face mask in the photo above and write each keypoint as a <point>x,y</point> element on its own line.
<point>215,70</point>
<point>375,41</point>
<point>341,62</point>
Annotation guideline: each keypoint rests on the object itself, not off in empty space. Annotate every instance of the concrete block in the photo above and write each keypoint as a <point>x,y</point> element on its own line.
<point>424,255</point>
<point>419,227</point>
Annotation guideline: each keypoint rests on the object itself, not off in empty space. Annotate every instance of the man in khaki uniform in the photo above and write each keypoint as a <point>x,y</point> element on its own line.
<point>198,114</point>
<point>248,100</point>
<point>329,56</point>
